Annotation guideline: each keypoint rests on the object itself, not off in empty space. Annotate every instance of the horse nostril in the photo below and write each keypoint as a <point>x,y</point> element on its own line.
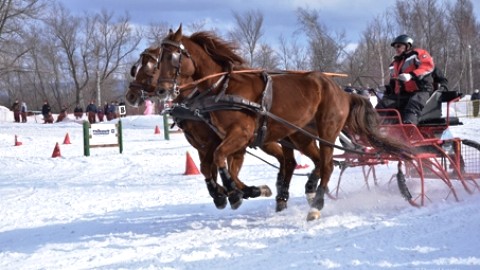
<point>133,99</point>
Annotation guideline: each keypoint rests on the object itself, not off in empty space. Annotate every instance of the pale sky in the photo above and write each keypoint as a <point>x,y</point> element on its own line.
<point>351,16</point>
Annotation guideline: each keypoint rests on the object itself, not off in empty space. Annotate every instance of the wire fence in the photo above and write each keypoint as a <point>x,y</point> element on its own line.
<point>465,108</point>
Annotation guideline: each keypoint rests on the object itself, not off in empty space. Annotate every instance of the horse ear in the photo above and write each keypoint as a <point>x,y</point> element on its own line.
<point>178,35</point>
<point>170,31</point>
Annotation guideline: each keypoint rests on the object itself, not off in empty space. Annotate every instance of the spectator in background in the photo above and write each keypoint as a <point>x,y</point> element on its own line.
<point>148,107</point>
<point>475,102</point>
<point>16,111</point>
<point>91,112</point>
<point>23,111</point>
<point>112,110</point>
<point>46,111</point>
<point>107,112</point>
<point>48,119</point>
<point>349,89</point>
<point>63,114</point>
<point>100,113</point>
<point>78,112</point>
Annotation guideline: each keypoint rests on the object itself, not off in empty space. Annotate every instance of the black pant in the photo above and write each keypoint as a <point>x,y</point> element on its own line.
<point>410,105</point>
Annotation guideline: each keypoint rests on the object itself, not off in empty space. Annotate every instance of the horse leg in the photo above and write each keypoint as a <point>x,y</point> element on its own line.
<point>326,171</point>
<point>234,141</point>
<point>235,195</point>
<point>309,148</point>
<point>284,177</point>
<point>235,163</point>
<point>216,191</point>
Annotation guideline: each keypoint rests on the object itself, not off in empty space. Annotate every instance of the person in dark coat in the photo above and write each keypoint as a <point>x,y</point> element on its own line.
<point>475,98</point>
<point>78,112</point>
<point>23,111</point>
<point>63,114</point>
<point>411,80</point>
<point>46,110</point>
<point>48,119</point>
<point>91,112</point>
<point>16,111</point>
<point>100,114</point>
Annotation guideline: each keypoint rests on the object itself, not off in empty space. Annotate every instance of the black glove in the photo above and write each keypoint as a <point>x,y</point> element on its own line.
<point>388,90</point>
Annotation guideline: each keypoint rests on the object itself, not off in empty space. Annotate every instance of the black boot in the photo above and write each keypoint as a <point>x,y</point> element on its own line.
<point>410,118</point>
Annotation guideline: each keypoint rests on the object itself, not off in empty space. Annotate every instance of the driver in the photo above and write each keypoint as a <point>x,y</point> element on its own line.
<point>410,80</point>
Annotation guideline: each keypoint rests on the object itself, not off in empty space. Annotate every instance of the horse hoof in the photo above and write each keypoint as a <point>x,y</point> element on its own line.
<point>313,214</point>
<point>310,197</point>
<point>281,205</point>
<point>265,191</point>
<point>220,202</point>
<point>235,198</point>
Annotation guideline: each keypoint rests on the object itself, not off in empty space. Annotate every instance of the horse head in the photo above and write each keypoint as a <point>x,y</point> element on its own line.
<point>145,74</point>
<point>192,58</point>
<point>175,66</point>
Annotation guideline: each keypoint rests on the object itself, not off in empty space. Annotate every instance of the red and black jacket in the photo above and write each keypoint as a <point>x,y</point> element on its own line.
<point>417,63</point>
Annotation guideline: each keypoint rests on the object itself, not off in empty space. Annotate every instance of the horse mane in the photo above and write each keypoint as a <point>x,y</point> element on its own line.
<point>221,51</point>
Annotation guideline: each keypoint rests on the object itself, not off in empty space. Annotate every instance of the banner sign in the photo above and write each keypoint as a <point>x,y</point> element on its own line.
<point>103,134</point>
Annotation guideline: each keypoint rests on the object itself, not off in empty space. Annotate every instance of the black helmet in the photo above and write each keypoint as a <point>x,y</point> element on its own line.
<point>404,39</point>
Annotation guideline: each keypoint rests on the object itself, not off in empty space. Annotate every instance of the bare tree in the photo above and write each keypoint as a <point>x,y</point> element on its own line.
<point>292,56</point>
<point>266,58</point>
<point>15,17</point>
<point>248,31</point>
<point>326,49</point>
<point>66,29</point>
<point>373,54</point>
<point>15,13</point>
<point>113,42</point>
<point>466,33</point>
<point>155,32</point>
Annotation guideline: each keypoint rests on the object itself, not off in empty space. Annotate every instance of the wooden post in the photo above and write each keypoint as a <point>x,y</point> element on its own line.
<point>86,138</point>
<point>120,136</point>
<point>166,133</point>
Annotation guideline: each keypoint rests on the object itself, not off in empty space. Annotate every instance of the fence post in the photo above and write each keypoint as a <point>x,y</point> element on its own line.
<point>86,138</point>
<point>166,132</point>
<point>120,136</point>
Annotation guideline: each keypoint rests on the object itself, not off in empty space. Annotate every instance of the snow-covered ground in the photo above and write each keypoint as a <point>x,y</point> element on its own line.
<point>137,210</point>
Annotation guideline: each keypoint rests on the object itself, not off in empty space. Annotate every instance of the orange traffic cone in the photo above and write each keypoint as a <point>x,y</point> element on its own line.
<point>67,139</point>
<point>157,130</point>
<point>17,143</point>
<point>191,168</point>
<point>300,163</point>
<point>56,151</point>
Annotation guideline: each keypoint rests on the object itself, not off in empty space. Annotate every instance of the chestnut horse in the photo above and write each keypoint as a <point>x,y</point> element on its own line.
<point>205,140</point>
<point>250,109</point>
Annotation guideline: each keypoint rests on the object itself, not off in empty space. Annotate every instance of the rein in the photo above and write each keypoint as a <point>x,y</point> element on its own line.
<point>231,102</point>
<point>186,86</point>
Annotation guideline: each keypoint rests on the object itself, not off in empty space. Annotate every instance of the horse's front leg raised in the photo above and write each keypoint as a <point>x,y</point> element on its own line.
<point>235,163</point>
<point>209,169</point>
<point>234,142</point>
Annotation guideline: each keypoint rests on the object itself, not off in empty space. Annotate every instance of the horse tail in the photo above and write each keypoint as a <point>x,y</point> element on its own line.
<point>363,120</point>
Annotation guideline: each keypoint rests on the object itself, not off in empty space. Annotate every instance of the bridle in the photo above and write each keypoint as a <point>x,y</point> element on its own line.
<point>176,62</point>
<point>140,86</point>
